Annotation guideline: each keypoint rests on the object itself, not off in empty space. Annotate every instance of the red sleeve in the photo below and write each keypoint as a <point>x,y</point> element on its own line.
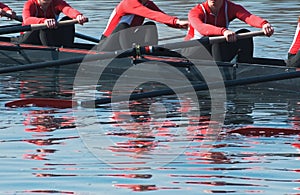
<point>4,7</point>
<point>28,14</point>
<point>65,8</point>
<point>135,7</point>
<point>196,18</point>
<point>244,15</point>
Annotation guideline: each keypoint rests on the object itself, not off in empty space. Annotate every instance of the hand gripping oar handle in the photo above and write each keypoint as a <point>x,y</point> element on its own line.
<point>59,24</point>
<point>209,40</point>
<point>78,35</point>
<point>245,35</point>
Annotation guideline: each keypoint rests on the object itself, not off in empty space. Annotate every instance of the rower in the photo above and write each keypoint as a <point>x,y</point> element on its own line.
<point>212,18</point>
<point>5,9</point>
<point>47,12</point>
<point>126,27</point>
<point>294,51</point>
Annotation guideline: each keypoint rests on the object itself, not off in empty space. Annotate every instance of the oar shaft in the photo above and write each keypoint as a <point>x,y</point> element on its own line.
<point>14,29</point>
<point>198,87</point>
<point>88,38</point>
<point>18,18</point>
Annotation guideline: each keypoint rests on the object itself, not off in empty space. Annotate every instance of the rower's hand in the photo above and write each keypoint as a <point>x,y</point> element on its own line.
<point>12,13</point>
<point>51,23</point>
<point>268,29</point>
<point>81,19</point>
<point>182,23</point>
<point>230,36</point>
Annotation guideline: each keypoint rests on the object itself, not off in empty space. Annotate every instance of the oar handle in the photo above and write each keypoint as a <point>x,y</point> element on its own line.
<point>245,35</point>
<point>59,24</point>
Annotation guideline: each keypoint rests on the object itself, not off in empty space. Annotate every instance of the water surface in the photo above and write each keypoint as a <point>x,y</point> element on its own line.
<point>158,146</point>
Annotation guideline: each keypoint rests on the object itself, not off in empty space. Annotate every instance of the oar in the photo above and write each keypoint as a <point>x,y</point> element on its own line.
<point>10,25</point>
<point>17,18</point>
<point>197,87</point>
<point>124,53</point>
<point>57,103</point>
<point>16,29</point>
<point>86,37</point>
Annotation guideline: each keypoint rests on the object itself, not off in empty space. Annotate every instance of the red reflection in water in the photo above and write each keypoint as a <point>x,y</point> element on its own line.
<point>35,156</point>
<point>50,141</point>
<point>297,146</point>
<point>136,146</point>
<point>46,121</point>
<point>42,153</point>
<point>139,187</point>
<point>140,125</point>
<point>208,157</point>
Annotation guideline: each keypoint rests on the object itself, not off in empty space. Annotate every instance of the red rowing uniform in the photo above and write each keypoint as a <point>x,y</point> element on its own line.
<point>33,13</point>
<point>134,13</point>
<point>204,23</point>
<point>4,7</point>
<point>296,42</point>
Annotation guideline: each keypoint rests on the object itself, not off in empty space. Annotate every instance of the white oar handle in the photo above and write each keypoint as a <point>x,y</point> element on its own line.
<point>61,23</point>
<point>245,35</point>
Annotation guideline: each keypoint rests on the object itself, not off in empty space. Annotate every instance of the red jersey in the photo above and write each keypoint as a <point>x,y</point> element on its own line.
<point>4,7</point>
<point>296,42</point>
<point>134,13</point>
<point>33,14</point>
<point>204,23</point>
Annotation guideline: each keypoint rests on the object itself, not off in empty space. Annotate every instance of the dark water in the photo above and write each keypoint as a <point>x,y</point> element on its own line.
<point>161,145</point>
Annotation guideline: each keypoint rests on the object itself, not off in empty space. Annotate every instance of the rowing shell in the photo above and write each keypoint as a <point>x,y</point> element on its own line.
<point>17,55</point>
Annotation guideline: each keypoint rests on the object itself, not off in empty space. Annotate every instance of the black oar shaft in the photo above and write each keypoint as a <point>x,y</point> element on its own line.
<point>18,18</point>
<point>198,87</point>
<point>14,29</point>
<point>85,37</point>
